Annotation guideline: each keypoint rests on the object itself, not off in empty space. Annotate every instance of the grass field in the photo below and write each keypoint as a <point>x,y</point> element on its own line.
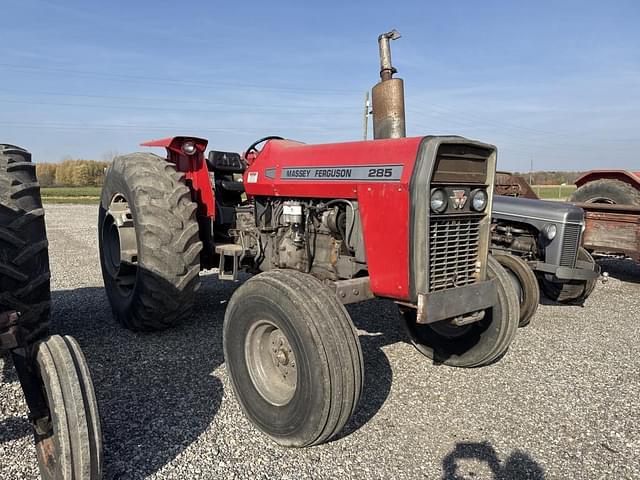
<point>554,192</point>
<point>82,195</point>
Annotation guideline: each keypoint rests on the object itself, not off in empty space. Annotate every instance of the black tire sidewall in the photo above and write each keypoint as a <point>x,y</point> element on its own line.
<point>483,342</point>
<point>116,183</point>
<point>260,301</point>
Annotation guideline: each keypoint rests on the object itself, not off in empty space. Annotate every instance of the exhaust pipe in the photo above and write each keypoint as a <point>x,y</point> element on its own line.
<point>388,95</point>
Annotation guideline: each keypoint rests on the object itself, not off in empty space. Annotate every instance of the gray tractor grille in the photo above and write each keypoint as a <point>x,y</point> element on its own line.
<point>570,244</point>
<point>453,251</point>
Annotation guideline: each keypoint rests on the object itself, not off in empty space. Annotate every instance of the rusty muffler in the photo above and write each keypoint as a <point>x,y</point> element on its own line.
<point>388,95</point>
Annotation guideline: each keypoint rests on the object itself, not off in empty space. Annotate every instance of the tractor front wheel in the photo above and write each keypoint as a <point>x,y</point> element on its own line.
<point>293,357</point>
<point>149,242</point>
<point>525,283</point>
<point>573,291</point>
<point>69,441</point>
<point>475,344</point>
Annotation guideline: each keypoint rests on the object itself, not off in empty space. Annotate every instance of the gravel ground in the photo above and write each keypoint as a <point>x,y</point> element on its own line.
<point>563,403</point>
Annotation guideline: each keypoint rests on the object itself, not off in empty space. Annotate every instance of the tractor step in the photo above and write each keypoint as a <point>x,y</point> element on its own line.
<point>233,251</point>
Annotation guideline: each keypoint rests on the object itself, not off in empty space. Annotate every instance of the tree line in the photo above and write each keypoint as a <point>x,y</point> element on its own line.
<point>71,173</point>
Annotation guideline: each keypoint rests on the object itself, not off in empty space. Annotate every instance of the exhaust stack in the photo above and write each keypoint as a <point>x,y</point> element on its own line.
<point>388,95</point>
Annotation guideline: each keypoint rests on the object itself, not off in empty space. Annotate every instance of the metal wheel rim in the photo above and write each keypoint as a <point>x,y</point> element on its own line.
<point>119,245</point>
<point>271,363</point>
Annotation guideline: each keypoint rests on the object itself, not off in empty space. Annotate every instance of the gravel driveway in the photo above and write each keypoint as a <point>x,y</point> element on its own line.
<point>563,403</point>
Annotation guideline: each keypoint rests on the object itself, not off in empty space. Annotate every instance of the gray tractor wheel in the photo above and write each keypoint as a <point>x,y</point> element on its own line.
<point>525,283</point>
<point>149,242</point>
<point>476,344</point>
<point>293,357</point>
<point>69,442</point>
<point>574,291</point>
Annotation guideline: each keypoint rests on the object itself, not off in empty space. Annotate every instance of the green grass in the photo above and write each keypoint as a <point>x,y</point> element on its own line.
<point>554,192</point>
<point>81,195</point>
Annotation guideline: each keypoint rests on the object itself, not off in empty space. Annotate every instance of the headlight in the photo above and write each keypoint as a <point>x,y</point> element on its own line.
<point>550,230</point>
<point>438,200</point>
<point>189,147</point>
<point>479,200</point>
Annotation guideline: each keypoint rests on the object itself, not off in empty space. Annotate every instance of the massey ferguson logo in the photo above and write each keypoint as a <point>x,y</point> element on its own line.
<point>459,199</point>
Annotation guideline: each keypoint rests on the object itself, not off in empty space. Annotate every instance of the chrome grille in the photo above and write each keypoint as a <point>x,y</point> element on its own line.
<point>570,243</point>
<point>453,251</point>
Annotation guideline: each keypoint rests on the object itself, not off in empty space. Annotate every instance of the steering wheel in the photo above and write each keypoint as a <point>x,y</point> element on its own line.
<point>252,147</point>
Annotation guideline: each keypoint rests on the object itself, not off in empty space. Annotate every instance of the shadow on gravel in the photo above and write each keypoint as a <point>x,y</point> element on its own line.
<point>156,392</point>
<point>13,428</point>
<point>624,270</point>
<point>518,466</point>
<point>8,374</point>
<point>380,320</point>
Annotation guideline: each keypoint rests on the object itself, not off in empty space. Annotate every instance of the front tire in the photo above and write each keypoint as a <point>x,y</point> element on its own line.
<point>69,444</point>
<point>476,344</point>
<point>525,283</point>
<point>149,242</point>
<point>293,357</point>
<point>573,291</point>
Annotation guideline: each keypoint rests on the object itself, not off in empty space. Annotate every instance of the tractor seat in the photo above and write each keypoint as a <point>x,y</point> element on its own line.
<point>225,162</point>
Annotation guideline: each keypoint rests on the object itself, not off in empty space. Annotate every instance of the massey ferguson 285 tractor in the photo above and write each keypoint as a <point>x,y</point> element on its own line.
<point>320,226</point>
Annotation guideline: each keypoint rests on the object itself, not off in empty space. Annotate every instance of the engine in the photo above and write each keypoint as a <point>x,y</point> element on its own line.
<point>310,235</point>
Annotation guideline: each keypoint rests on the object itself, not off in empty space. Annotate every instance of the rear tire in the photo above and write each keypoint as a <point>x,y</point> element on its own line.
<point>69,446</point>
<point>574,291</point>
<point>607,191</point>
<point>525,283</point>
<point>475,344</point>
<point>24,257</point>
<point>149,242</point>
<point>293,357</point>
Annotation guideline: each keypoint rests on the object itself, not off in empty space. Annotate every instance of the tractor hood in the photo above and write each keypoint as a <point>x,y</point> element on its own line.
<point>516,209</point>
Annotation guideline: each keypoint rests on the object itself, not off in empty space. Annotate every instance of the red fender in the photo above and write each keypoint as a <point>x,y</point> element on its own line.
<point>632,178</point>
<point>195,170</point>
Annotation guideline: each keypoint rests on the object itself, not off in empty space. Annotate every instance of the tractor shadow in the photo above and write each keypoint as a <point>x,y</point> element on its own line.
<point>472,460</point>
<point>379,326</point>
<point>623,270</point>
<point>157,392</point>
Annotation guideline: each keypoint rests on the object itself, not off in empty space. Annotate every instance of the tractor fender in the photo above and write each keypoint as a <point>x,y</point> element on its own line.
<point>632,178</point>
<point>194,167</point>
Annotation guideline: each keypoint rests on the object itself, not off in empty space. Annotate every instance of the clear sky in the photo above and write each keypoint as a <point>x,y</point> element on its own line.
<point>556,82</point>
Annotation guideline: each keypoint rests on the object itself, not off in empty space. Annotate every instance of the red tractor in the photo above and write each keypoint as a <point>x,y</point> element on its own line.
<point>319,226</point>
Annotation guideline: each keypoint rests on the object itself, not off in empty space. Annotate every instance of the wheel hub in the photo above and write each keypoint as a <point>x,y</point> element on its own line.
<point>271,363</point>
<point>120,247</point>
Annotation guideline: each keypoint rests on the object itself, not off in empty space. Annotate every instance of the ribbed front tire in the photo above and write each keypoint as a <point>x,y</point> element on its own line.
<point>475,344</point>
<point>293,357</point>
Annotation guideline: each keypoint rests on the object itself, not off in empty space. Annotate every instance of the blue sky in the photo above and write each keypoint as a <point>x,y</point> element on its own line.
<point>556,82</point>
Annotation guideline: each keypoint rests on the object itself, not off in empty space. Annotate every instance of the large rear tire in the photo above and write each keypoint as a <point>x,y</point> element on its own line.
<point>24,257</point>
<point>293,357</point>
<point>69,444</point>
<point>149,243</point>
<point>476,344</point>
<point>525,283</point>
<point>574,291</point>
<point>607,191</point>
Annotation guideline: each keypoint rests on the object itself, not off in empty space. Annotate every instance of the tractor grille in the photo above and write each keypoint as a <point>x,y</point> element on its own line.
<point>570,243</point>
<point>453,251</point>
